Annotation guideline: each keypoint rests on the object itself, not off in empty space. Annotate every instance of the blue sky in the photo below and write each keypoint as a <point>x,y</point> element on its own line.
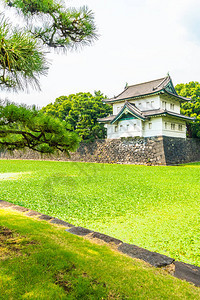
<point>139,40</point>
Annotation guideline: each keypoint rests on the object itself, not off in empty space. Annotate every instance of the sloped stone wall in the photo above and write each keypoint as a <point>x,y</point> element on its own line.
<point>148,151</point>
<point>178,151</point>
<point>128,151</point>
<point>145,151</point>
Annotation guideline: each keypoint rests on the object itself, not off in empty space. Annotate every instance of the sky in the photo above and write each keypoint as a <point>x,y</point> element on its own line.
<point>139,40</point>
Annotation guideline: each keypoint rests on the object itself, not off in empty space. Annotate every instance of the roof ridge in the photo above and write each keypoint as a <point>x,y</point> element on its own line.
<point>162,85</point>
<point>135,107</point>
<point>156,109</point>
<point>167,77</point>
<point>121,93</point>
<point>178,96</point>
<point>132,108</point>
<point>163,78</point>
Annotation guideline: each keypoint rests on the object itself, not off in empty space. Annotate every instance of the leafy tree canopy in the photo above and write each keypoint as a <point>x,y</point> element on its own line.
<point>192,108</point>
<point>189,90</point>
<point>21,127</point>
<point>22,61</point>
<point>81,111</point>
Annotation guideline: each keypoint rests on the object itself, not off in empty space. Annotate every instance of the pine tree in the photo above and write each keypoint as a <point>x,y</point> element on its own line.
<point>22,62</point>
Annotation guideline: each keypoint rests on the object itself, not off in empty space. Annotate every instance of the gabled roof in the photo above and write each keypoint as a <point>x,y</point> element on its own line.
<point>162,85</point>
<point>129,108</point>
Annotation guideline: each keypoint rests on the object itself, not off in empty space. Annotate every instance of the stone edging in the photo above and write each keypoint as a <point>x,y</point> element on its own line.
<point>178,269</point>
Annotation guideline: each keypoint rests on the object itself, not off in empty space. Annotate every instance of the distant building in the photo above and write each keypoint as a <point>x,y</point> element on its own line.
<point>147,109</point>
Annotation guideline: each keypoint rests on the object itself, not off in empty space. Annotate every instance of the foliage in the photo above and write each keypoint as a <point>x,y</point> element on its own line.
<point>22,61</point>
<point>22,127</point>
<point>152,207</point>
<point>192,108</point>
<point>50,263</point>
<point>50,23</point>
<point>60,26</point>
<point>21,58</point>
<point>81,111</point>
<point>189,90</point>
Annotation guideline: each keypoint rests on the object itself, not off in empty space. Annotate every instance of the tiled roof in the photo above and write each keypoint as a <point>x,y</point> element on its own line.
<point>134,109</point>
<point>147,88</point>
<point>156,112</point>
<point>136,112</point>
<point>142,114</point>
<point>106,119</point>
<point>130,106</point>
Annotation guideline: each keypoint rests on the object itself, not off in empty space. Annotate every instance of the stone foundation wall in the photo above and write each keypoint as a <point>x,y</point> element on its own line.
<point>145,151</point>
<point>178,151</point>
<point>127,151</point>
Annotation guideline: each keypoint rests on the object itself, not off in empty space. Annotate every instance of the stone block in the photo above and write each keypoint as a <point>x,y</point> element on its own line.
<point>79,231</point>
<point>20,208</point>
<point>106,238</point>
<point>153,258</point>
<point>45,217</point>
<point>5,204</point>
<point>61,222</point>
<point>188,272</point>
<point>32,213</point>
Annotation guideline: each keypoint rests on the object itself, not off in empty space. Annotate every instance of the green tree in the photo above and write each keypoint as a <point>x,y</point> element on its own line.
<point>60,27</point>
<point>22,61</point>
<point>50,23</point>
<point>21,127</point>
<point>81,111</point>
<point>191,108</point>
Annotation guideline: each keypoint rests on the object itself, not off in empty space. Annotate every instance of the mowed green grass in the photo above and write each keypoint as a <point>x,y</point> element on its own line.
<point>157,208</point>
<point>42,261</point>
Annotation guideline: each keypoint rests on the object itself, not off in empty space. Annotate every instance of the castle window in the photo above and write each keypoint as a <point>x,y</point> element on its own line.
<point>127,127</point>
<point>120,127</point>
<point>180,127</point>
<point>171,106</point>
<point>165,125</point>
<point>172,126</point>
<point>150,125</point>
<point>134,127</point>
<point>148,104</point>
<point>152,104</point>
<point>116,128</point>
<point>164,104</point>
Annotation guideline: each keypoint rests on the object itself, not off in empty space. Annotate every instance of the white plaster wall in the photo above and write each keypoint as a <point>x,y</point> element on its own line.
<point>151,103</point>
<point>147,103</point>
<point>156,127</point>
<point>168,131</point>
<point>153,127</point>
<point>169,101</point>
<point>125,128</point>
<point>117,107</point>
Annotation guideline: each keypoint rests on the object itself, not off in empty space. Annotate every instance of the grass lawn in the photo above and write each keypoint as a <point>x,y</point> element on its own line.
<point>153,207</point>
<point>42,261</point>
